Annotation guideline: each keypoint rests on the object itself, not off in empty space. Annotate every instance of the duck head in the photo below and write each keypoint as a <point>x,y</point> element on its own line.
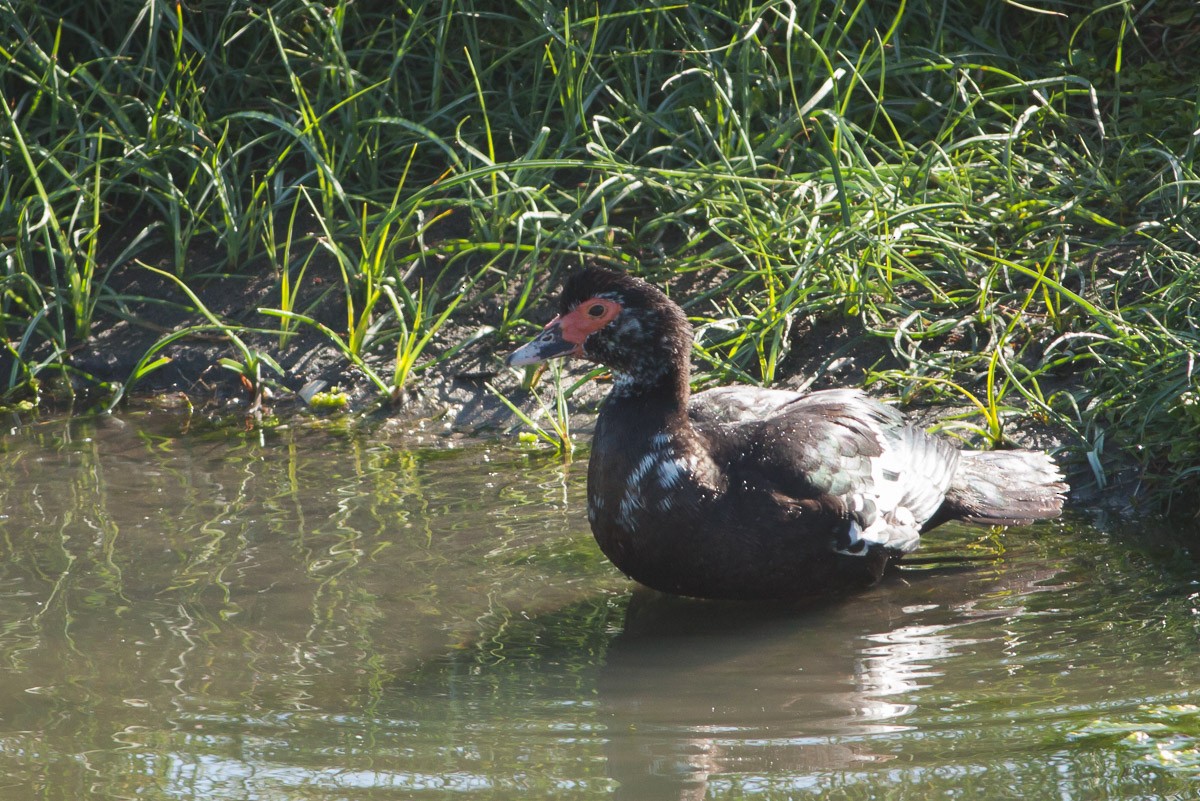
<point>616,320</point>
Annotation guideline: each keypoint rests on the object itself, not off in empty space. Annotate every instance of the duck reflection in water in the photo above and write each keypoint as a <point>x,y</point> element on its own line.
<point>715,698</point>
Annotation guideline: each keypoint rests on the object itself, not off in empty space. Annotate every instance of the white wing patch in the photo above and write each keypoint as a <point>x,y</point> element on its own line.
<point>886,471</point>
<point>896,531</point>
<point>857,546</point>
<point>898,481</point>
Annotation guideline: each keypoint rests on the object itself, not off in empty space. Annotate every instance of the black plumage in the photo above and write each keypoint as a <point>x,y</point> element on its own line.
<point>742,492</point>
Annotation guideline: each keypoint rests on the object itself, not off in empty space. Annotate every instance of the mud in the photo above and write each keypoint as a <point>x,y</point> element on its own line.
<point>447,397</point>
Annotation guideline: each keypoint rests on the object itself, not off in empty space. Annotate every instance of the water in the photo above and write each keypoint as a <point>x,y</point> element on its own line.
<point>307,613</point>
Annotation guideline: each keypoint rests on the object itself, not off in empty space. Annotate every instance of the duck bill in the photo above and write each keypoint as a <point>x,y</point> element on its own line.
<point>550,344</point>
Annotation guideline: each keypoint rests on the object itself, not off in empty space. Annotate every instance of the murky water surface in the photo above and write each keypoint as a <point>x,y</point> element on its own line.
<point>306,614</point>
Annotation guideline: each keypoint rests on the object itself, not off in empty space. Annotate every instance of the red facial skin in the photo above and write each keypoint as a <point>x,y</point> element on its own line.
<point>564,335</point>
<point>584,320</point>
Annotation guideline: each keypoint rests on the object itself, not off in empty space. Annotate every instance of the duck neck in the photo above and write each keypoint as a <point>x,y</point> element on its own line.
<point>655,398</point>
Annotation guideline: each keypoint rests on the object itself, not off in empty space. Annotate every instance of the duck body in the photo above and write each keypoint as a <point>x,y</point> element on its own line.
<point>742,492</point>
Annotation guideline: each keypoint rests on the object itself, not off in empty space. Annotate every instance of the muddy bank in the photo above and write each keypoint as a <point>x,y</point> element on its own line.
<point>448,396</point>
<point>450,385</point>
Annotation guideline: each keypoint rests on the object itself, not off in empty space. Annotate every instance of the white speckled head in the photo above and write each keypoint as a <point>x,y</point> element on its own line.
<point>647,341</point>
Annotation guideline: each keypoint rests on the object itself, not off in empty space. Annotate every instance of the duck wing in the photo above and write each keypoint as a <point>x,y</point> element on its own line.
<point>726,405</point>
<point>836,453</point>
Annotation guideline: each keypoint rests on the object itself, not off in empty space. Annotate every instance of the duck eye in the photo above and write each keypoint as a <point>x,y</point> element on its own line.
<point>596,310</point>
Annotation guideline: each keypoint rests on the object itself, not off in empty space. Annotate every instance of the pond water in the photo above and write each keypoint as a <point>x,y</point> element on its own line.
<point>312,613</point>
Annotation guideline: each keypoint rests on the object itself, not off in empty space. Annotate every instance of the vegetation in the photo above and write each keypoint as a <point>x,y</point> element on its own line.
<point>998,193</point>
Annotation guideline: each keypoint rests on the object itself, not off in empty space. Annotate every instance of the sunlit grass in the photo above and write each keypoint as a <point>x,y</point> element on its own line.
<point>998,195</point>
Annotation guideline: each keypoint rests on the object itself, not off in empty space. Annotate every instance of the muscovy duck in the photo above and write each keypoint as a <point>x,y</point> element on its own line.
<point>741,492</point>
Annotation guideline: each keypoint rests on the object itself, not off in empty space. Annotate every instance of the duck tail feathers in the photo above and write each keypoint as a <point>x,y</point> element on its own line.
<point>1006,487</point>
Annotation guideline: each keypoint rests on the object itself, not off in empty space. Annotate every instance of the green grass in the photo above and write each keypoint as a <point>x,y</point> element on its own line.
<point>1000,194</point>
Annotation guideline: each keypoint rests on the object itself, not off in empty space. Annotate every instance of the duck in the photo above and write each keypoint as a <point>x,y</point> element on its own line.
<point>744,492</point>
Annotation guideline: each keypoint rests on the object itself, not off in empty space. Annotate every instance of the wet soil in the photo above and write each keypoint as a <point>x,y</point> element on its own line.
<point>823,353</point>
<point>449,396</point>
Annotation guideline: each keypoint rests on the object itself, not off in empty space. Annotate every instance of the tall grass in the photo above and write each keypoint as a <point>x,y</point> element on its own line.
<point>999,194</point>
